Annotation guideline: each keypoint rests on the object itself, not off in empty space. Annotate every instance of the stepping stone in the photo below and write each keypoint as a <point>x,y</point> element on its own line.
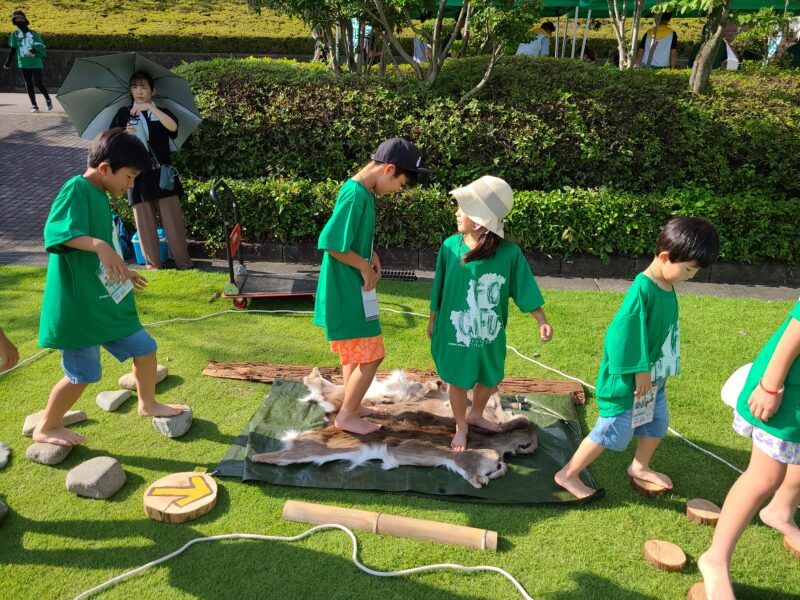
<point>702,511</point>
<point>3,510</point>
<point>31,421</point>
<point>176,426</point>
<point>697,592</point>
<point>99,477</point>
<point>791,546</point>
<point>128,381</point>
<point>47,454</point>
<point>111,401</point>
<point>5,454</point>
<point>664,555</point>
<point>646,488</point>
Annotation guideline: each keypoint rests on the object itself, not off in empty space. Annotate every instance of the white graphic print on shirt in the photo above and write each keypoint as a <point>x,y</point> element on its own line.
<point>668,363</point>
<point>480,323</point>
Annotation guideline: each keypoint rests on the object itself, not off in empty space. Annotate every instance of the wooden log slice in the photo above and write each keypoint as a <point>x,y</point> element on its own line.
<point>180,497</point>
<point>697,592</point>
<point>702,511</point>
<point>646,488</point>
<point>664,555</point>
<point>792,547</point>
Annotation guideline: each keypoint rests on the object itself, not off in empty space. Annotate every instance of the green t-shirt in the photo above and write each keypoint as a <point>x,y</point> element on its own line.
<point>28,42</point>
<point>339,307</point>
<point>471,305</point>
<point>643,336</point>
<point>76,310</point>
<point>784,424</point>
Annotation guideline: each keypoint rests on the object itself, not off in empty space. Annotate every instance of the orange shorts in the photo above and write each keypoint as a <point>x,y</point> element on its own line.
<point>359,350</point>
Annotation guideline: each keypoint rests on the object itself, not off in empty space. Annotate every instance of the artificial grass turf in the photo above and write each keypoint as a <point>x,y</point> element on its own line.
<point>55,545</point>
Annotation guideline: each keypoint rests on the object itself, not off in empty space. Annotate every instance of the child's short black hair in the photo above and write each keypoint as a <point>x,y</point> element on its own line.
<point>548,26</point>
<point>140,76</point>
<point>119,149</point>
<point>411,176</point>
<point>689,239</point>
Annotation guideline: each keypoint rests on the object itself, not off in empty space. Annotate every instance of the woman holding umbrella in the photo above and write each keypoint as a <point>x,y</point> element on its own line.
<point>159,187</point>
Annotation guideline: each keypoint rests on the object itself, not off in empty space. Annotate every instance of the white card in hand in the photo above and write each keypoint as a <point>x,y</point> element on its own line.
<point>370,300</point>
<point>117,291</point>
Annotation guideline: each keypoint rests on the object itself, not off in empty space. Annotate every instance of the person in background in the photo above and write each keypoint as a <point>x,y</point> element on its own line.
<point>29,49</point>
<point>540,44</point>
<point>665,45</point>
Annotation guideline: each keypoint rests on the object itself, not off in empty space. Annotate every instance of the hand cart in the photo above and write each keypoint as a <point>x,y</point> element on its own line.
<point>243,284</point>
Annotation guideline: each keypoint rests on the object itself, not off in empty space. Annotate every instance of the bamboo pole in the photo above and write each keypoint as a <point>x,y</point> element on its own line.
<point>384,524</point>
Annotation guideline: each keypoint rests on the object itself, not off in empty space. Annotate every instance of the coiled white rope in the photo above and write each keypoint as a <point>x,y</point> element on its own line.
<point>278,538</point>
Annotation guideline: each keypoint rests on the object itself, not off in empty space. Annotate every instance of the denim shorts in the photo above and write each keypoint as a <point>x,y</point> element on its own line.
<point>615,432</point>
<point>82,365</point>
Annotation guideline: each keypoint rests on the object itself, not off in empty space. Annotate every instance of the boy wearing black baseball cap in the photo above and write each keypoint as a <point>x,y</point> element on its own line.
<point>346,305</point>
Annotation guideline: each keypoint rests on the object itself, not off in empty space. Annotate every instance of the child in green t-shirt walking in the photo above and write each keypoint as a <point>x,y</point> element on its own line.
<point>477,271</point>
<point>768,413</point>
<point>81,312</point>
<point>641,349</point>
<point>346,305</point>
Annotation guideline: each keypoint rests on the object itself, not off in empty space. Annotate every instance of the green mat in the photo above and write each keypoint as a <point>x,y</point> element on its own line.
<point>529,478</point>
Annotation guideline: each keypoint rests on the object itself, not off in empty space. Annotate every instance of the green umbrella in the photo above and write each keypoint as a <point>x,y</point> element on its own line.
<point>96,88</point>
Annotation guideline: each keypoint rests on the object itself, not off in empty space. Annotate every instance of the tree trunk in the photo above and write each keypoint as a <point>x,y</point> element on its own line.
<point>704,62</point>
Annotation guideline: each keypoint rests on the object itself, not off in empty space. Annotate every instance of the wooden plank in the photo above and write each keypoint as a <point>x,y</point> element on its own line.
<point>267,373</point>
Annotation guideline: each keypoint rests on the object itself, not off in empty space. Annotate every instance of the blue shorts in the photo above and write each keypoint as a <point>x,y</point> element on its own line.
<point>615,432</point>
<point>82,365</point>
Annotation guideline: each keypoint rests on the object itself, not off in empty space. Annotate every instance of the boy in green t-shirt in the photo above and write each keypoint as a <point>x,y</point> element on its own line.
<point>641,349</point>
<point>346,305</point>
<point>81,311</point>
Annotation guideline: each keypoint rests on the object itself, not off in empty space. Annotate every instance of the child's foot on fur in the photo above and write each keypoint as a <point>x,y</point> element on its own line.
<point>651,476</point>
<point>160,410</point>
<point>60,436</point>
<point>459,443</point>
<point>355,424</point>
<point>484,423</point>
<point>716,577</point>
<point>365,411</point>
<point>781,524</point>
<point>573,485</point>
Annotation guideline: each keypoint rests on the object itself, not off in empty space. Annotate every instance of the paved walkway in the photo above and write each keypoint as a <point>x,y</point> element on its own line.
<point>41,151</point>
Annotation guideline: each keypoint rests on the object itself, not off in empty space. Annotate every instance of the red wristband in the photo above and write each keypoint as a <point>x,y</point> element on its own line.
<point>771,392</point>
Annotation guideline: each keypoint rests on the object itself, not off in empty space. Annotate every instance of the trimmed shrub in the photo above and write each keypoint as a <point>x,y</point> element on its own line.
<point>540,124</point>
<point>753,227</point>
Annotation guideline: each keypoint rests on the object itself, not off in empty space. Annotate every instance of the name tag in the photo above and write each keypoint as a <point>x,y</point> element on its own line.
<point>370,300</point>
<point>644,408</point>
<point>117,291</point>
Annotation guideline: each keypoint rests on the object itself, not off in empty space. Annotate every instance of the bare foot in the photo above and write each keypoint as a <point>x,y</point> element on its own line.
<point>459,443</point>
<point>651,476</point>
<point>60,436</point>
<point>716,577</point>
<point>573,485</point>
<point>484,423</point>
<point>365,411</point>
<point>160,410</point>
<point>780,524</point>
<point>355,424</point>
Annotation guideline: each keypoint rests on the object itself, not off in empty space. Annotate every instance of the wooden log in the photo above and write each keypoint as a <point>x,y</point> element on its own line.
<point>791,546</point>
<point>702,511</point>
<point>697,591</point>
<point>180,497</point>
<point>647,488</point>
<point>268,373</point>
<point>664,555</point>
<point>384,524</point>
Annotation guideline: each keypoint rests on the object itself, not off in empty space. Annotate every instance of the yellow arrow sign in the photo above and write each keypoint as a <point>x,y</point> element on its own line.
<point>197,489</point>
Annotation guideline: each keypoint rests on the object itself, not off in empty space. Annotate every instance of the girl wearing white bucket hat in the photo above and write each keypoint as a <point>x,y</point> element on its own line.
<point>477,271</point>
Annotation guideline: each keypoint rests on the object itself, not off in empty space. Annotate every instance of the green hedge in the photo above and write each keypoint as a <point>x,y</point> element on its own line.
<point>540,124</point>
<point>753,226</point>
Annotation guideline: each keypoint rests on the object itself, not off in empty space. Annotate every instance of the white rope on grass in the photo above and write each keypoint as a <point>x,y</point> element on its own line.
<point>278,538</point>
